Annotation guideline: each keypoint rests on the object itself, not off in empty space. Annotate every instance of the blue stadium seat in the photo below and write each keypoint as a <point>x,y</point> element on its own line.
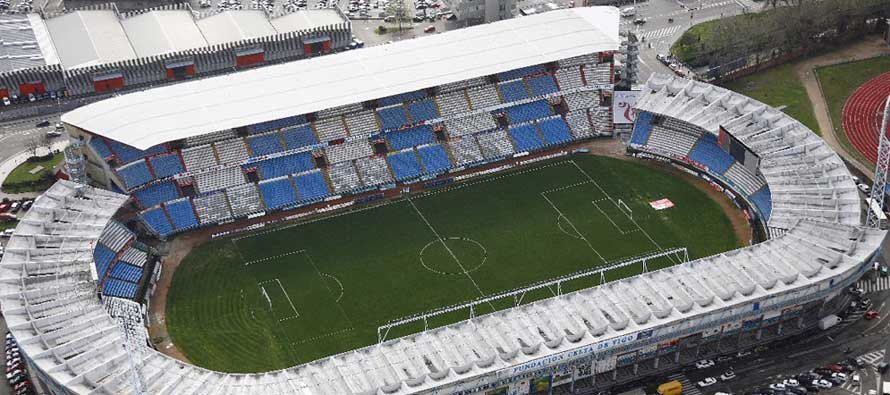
<point>529,111</point>
<point>166,165</point>
<point>525,138</point>
<point>278,193</point>
<point>521,72</point>
<point>392,117</point>
<point>128,154</point>
<point>554,131</point>
<point>276,124</point>
<point>764,201</point>
<point>153,195</point>
<point>157,221</point>
<point>285,165</point>
<point>401,98</point>
<point>542,85</point>
<point>642,128</point>
<point>513,90</point>
<point>411,137</point>
<point>434,159</point>
<point>708,153</point>
<point>422,111</point>
<point>118,288</point>
<point>264,145</point>
<point>134,174</point>
<point>311,186</point>
<point>102,256</point>
<point>404,165</point>
<point>126,272</point>
<point>100,147</point>
<point>182,214</point>
<point>300,136</point>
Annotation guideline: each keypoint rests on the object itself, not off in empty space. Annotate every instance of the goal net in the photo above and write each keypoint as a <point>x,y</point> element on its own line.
<point>625,208</point>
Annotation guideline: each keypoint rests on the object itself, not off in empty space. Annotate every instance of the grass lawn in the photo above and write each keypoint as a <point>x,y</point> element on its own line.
<point>779,86</point>
<point>21,180</point>
<point>300,292</point>
<point>838,83</point>
<point>8,225</point>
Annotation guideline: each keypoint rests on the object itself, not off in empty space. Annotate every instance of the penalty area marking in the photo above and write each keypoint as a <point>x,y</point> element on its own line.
<point>269,258</point>
<point>339,284</point>
<point>466,239</point>
<point>559,217</point>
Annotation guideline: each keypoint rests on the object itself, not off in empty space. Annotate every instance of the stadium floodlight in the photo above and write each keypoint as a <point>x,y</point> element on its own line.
<point>881,168</point>
<point>677,255</point>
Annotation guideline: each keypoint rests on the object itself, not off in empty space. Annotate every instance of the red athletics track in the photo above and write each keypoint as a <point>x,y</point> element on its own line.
<point>862,115</point>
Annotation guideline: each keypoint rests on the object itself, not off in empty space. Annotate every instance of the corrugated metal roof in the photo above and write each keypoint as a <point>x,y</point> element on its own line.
<point>87,38</point>
<point>231,26</point>
<point>19,45</point>
<point>193,108</point>
<point>165,31</point>
<point>303,20</point>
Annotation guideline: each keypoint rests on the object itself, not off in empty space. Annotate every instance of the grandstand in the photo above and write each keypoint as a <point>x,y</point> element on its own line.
<point>434,126</point>
<point>68,247</point>
<point>798,174</point>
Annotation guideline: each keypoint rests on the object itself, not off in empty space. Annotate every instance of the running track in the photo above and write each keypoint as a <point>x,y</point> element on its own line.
<point>862,115</point>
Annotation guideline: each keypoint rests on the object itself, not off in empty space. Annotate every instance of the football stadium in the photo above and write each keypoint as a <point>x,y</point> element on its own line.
<point>426,217</point>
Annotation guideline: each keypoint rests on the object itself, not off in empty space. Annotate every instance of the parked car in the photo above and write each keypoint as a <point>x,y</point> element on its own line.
<point>862,187</point>
<point>704,364</point>
<point>6,101</point>
<point>429,29</point>
<point>727,375</point>
<point>42,124</point>
<point>639,21</point>
<point>706,382</point>
<point>790,382</point>
<point>7,233</point>
<point>823,384</point>
<point>742,354</point>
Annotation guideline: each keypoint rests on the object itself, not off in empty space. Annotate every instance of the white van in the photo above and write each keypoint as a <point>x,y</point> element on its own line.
<point>628,11</point>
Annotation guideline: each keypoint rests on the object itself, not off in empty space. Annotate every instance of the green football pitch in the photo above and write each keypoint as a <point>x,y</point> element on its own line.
<point>299,292</point>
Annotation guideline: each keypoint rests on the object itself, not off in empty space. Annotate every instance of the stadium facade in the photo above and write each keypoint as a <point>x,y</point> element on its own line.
<point>68,247</point>
<point>99,50</point>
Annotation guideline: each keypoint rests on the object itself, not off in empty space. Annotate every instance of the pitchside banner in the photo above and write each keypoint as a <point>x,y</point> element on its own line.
<point>622,106</point>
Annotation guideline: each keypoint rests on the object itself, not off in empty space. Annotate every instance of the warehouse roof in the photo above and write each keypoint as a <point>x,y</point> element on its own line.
<point>235,26</point>
<point>303,20</point>
<point>88,38</point>
<point>193,108</point>
<point>163,31</point>
<point>22,38</point>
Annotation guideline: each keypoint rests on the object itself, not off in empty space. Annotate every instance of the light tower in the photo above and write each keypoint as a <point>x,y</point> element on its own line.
<point>74,164</point>
<point>631,72</point>
<point>881,169</point>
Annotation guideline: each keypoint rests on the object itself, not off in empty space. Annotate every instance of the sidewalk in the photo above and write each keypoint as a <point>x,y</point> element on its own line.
<point>10,164</point>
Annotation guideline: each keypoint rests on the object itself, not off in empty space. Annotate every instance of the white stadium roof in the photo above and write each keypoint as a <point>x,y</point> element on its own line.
<point>62,327</point>
<point>193,108</point>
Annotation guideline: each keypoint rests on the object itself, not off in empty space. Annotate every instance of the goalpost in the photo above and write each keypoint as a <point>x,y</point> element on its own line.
<point>621,205</point>
<point>268,299</point>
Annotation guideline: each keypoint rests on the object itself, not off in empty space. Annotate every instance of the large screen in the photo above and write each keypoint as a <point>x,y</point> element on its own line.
<point>739,151</point>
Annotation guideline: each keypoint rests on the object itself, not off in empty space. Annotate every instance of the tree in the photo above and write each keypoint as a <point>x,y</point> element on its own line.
<point>396,8</point>
<point>35,143</point>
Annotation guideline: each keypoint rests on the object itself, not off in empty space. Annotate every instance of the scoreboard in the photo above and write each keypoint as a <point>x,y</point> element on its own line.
<point>739,151</point>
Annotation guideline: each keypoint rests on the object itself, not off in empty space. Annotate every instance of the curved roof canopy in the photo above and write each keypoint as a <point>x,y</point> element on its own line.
<point>193,108</point>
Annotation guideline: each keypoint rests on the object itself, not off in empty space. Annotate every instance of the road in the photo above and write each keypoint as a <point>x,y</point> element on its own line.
<point>659,33</point>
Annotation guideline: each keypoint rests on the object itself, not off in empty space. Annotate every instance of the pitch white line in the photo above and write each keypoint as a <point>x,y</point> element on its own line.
<point>273,257</point>
<point>444,244</point>
<point>296,313</point>
<point>655,243</point>
<point>573,227</point>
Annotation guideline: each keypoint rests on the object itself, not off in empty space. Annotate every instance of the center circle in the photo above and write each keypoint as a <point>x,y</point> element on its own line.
<point>452,256</point>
